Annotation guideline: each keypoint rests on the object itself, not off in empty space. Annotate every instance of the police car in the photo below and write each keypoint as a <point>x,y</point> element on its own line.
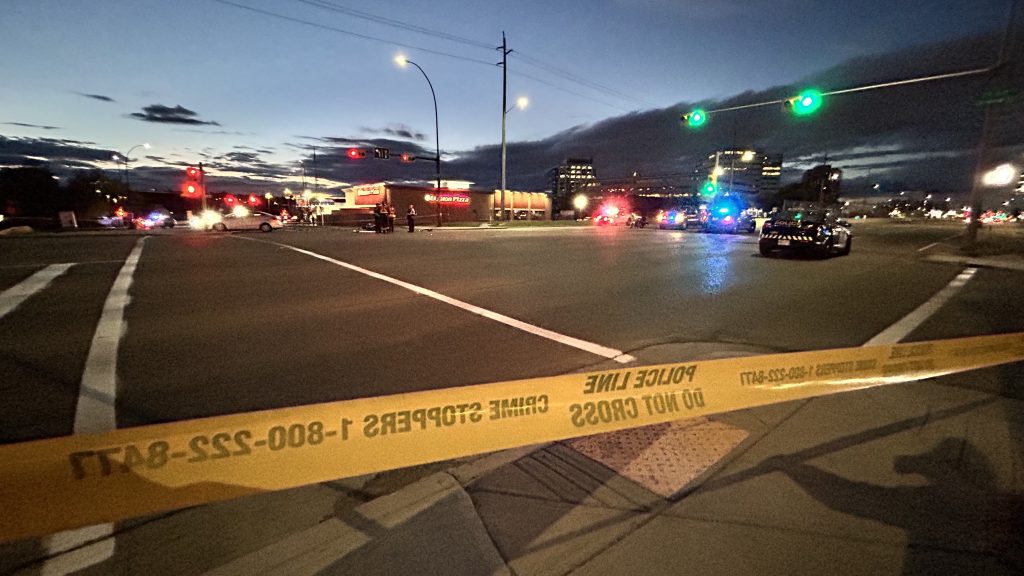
<point>726,214</point>
<point>816,231</point>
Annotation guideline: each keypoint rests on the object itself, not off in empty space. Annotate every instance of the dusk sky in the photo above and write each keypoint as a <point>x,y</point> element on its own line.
<point>211,80</point>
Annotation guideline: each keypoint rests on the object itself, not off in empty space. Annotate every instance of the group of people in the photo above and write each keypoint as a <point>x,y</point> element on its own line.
<point>384,215</point>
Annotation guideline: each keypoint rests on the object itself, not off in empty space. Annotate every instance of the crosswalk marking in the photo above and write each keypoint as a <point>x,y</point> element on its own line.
<point>15,295</point>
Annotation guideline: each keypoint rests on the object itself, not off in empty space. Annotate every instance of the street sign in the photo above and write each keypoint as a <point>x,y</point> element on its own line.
<point>382,153</point>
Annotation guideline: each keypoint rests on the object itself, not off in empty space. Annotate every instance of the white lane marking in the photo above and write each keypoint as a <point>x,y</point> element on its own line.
<point>15,295</point>
<point>927,247</point>
<point>957,235</point>
<point>95,412</point>
<point>904,326</point>
<point>603,351</point>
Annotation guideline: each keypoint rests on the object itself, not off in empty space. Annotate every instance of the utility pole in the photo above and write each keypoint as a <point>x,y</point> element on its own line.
<point>504,112</point>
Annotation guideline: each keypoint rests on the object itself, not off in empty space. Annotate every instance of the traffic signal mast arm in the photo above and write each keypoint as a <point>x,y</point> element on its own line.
<point>783,101</point>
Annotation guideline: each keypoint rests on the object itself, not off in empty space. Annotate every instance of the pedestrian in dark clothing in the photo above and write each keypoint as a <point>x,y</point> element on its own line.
<point>410,218</point>
<point>377,228</point>
<point>391,218</point>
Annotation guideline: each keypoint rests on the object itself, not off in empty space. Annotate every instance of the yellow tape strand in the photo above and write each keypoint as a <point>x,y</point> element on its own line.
<point>61,483</point>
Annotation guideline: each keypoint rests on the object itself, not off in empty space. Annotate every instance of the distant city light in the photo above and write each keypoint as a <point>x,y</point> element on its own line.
<point>748,156</point>
<point>579,202</point>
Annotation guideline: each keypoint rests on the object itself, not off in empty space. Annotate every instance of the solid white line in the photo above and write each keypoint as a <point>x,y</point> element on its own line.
<point>928,246</point>
<point>597,349</point>
<point>15,295</point>
<point>904,326</point>
<point>95,412</point>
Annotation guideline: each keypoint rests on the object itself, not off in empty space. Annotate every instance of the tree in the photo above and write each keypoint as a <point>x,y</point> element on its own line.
<point>31,191</point>
<point>92,193</point>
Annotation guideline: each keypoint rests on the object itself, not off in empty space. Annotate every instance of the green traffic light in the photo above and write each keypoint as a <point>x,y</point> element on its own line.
<point>696,118</point>
<point>807,102</point>
<point>709,189</point>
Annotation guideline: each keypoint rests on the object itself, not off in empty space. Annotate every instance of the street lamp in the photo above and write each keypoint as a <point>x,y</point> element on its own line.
<point>127,158</point>
<point>579,203</point>
<point>522,102</point>
<point>1001,175</point>
<point>268,196</point>
<point>402,61</point>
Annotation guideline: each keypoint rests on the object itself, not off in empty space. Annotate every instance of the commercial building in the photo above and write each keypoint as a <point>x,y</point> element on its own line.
<point>741,171</point>
<point>457,200</point>
<point>574,176</point>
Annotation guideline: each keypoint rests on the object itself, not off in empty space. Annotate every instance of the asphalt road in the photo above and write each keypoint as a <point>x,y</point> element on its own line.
<point>222,323</point>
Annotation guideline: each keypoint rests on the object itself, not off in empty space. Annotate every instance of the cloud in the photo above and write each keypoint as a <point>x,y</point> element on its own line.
<point>14,151</point>
<point>24,125</point>
<point>99,97</point>
<point>161,114</point>
<point>397,130</point>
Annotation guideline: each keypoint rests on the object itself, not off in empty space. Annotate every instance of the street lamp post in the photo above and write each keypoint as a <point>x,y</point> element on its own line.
<point>402,61</point>
<point>521,103</point>
<point>127,158</point>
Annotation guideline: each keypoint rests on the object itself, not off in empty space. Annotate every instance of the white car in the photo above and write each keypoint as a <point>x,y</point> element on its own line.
<point>254,221</point>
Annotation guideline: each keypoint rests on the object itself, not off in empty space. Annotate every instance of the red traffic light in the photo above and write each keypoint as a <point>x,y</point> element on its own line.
<point>230,199</point>
<point>253,200</point>
<point>192,173</point>
<point>356,153</point>
<point>191,190</point>
<point>407,158</point>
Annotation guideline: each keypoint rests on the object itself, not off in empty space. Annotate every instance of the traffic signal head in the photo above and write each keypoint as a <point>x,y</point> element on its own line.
<point>382,153</point>
<point>695,119</point>
<point>709,189</point>
<point>356,153</point>
<point>407,158</point>
<point>804,103</point>
<point>192,173</point>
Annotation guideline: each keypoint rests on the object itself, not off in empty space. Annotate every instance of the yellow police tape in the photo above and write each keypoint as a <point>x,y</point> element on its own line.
<point>61,483</point>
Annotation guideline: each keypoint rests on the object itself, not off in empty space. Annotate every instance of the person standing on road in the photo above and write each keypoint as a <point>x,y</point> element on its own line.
<point>392,214</point>
<point>410,218</point>
<point>377,219</point>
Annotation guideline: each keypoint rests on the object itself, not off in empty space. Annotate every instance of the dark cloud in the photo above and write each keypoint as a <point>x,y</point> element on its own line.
<point>14,151</point>
<point>24,125</point>
<point>396,130</point>
<point>99,97</point>
<point>922,118</point>
<point>161,114</point>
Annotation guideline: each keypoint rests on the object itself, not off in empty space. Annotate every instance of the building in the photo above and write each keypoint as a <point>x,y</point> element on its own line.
<point>574,176</point>
<point>746,172</point>
<point>457,200</point>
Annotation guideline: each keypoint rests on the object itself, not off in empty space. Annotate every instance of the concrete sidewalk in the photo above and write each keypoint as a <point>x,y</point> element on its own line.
<point>907,479</point>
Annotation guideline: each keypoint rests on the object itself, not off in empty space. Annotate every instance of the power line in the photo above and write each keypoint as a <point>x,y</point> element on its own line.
<point>351,33</point>
<point>572,77</point>
<point>529,60</point>
<point>414,47</point>
<point>396,23</point>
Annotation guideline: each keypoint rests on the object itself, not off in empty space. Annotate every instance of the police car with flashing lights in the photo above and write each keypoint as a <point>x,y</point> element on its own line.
<point>726,214</point>
<point>678,219</point>
<point>816,231</point>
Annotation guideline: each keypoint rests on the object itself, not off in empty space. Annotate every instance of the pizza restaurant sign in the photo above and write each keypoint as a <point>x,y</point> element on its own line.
<point>448,198</point>
<point>369,190</point>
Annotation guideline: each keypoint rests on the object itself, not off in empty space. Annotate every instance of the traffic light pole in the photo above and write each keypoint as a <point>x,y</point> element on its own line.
<point>202,184</point>
<point>971,237</point>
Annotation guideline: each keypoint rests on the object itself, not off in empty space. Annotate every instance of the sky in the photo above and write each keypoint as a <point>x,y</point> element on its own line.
<point>249,86</point>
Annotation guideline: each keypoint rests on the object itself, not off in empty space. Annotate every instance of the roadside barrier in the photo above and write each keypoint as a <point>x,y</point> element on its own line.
<point>68,482</point>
